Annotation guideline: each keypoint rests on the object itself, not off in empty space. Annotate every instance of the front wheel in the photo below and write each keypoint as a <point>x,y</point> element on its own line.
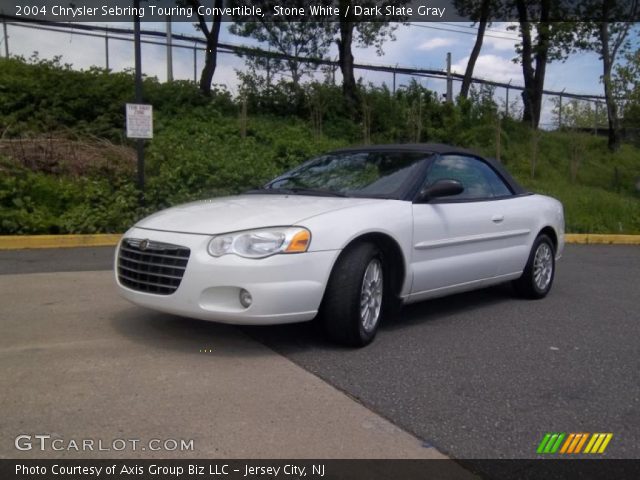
<point>537,277</point>
<point>353,303</point>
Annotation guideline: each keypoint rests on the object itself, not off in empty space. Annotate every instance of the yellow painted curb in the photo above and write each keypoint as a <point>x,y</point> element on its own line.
<point>602,239</point>
<point>16,242</point>
<point>19,242</point>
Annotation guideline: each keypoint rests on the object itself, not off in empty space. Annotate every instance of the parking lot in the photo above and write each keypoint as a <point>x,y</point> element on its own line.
<point>477,375</point>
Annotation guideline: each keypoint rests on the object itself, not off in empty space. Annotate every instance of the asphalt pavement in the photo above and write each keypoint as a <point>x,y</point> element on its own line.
<point>476,375</point>
<point>486,375</point>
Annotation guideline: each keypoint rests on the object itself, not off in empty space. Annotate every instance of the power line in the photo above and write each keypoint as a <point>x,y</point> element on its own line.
<point>421,25</point>
<point>457,25</point>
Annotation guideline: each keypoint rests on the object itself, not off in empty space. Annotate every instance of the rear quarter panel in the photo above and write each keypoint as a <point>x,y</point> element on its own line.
<point>533,213</point>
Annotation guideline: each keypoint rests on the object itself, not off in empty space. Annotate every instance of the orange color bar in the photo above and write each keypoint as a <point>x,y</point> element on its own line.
<point>579,446</point>
<point>574,443</point>
<point>567,443</point>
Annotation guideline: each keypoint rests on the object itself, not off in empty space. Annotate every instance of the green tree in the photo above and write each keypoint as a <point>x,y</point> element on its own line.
<point>348,31</point>
<point>542,40</point>
<point>609,38</point>
<point>626,84</point>
<point>291,39</point>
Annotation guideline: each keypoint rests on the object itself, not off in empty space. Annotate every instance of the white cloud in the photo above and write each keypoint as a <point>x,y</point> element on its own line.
<point>492,67</point>
<point>435,43</point>
<point>500,37</point>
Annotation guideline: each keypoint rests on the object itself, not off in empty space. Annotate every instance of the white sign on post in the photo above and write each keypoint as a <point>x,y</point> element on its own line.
<point>139,120</point>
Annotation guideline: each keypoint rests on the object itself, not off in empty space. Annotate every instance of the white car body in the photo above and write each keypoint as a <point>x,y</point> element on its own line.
<point>444,248</point>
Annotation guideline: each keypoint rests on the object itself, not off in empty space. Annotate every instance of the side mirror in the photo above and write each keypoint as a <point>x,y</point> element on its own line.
<point>441,188</point>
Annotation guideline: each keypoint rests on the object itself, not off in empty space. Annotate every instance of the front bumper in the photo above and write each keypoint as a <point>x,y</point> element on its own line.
<point>284,288</point>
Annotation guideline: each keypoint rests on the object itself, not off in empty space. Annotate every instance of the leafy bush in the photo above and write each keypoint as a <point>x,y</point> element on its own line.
<point>220,145</point>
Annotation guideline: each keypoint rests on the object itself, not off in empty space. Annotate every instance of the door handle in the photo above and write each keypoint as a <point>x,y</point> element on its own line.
<point>497,218</point>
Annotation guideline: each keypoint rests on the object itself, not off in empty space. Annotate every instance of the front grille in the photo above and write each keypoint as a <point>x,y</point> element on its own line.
<point>151,267</point>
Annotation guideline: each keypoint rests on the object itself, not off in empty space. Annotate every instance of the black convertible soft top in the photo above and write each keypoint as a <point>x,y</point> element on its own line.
<point>440,149</point>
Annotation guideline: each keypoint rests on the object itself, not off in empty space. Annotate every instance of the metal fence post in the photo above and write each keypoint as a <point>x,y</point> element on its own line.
<point>106,51</point>
<point>507,100</point>
<point>195,63</point>
<point>449,80</point>
<point>560,112</point>
<point>394,82</point>
<point>6,38</point>
<point>169,51</point>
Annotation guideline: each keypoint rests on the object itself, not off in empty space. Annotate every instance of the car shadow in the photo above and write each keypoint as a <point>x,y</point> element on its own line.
<point>431,310</point>
<point>296,337</point>
<point>171,332</point>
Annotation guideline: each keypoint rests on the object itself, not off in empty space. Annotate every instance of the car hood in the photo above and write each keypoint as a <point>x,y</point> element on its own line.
<point>243,212</point>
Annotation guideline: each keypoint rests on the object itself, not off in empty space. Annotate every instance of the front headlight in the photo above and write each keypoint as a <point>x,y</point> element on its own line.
<point>261,243</point>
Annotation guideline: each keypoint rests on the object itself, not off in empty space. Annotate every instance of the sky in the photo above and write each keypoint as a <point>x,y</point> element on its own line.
<point>416,45</point>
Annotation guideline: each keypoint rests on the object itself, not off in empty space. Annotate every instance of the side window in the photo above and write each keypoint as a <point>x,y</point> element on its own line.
<point>478,179</point>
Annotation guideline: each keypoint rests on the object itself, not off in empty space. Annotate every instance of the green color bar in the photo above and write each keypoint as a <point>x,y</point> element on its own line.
<point>543,443</point>
<point>555,448</point>
<point>550,443</point>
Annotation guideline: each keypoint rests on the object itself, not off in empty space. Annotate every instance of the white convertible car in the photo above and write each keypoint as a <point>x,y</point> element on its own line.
<point>347,237</point>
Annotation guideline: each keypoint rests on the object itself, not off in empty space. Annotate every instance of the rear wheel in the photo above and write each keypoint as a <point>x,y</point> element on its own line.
<point>353,304</point>
<point>537,277</point>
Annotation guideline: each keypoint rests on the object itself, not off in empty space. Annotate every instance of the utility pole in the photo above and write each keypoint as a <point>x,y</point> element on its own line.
<point>449,80</point>
<point>138,60</point>
<point>169,51</point>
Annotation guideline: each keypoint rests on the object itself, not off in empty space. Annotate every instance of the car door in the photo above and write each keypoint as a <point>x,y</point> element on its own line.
<point>458,240</point>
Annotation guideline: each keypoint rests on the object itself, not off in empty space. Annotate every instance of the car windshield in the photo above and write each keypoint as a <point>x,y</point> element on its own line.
<point>366,174</point>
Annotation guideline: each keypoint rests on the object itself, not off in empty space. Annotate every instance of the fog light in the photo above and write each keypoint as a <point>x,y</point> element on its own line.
<point>245,298</point>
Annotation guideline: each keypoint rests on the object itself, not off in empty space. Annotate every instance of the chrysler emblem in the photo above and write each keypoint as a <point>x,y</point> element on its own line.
<point>144,244</point>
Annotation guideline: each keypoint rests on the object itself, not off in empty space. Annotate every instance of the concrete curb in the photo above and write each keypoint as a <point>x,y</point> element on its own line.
<point>20,242</point>
<point>601,239</point>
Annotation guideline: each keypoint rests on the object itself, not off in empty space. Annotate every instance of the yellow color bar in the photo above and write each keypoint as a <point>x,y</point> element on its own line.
<point>594,437</point>
<point>607,439</point>
<point>599,440</point>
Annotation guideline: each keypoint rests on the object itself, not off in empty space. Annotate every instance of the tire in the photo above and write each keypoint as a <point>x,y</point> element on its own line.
<point>352,307</point>
<point>538,275</point>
